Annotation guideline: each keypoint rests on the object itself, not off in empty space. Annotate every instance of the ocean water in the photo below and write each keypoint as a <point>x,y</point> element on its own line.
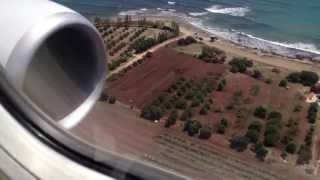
<point>287,27</point>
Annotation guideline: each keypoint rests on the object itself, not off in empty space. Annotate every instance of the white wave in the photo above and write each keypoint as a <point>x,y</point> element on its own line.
<point>131,12</point>
<point>171,2</point>
<point>172,10</point>
<point>160,9</point>
<point>144,9</point>
<point>198,13</point>
<point>233,11</point>
<point>297,45</point>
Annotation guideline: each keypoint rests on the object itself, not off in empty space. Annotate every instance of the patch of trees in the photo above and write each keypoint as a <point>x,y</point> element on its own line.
<point>171,120</point>
<point>192,127</point>
<point>273,129</point>
<point>181,96</point>
<point>253,132</point>
<point>205,132</point>
<point>163,36</point>
<point>142,44</point>
<point>240,64</point>
<point>306,78</point>
<point>137,34</point>
<point>116,63</point>
<point>305,153</point>
<point>261,151</point>
<point>291,132</point>
<point>312,113</point>
<point>291,148</point>
<point>186,41</point>
<point>260,112</point>
<point>175,28</point>
<point>283,83</point>
<point>152,112</point>
<point>212,55</point>
<point>239,143</point>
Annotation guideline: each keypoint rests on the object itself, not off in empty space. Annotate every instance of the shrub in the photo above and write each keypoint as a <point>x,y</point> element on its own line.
<point>305,155</point>
<point>291,148</point>
<point>255,125</point>
<point>221,85</point>
<point>203,111</point>
<point>297,108</point>
<point>312,112</point>
<point>257,74</point>
<point>240,64</point>
<point>261,151</point>
<point>142,44</point>
<point>192,127</point>
<point>149,54</point>
<point>212,55</point>
<point>294,77</point>
<point>306,78</point>
<point>189,95</point>
<point>195,102</point>
<point>221,129</point>
<point>186,115</point>
<point>239,143</point>
<point>186,41</point>
<point>162,37</point>
<point>255,90</point>
<point>205,132</point>
<point>268,81</point>
<point>271,136</point>
<point>112,100</point>
<point>275,115</point>
<point>283,83</point>
<point>171,119</point>
<point>152,112</point>
<point>181,104</point>
<point>260,112</point>
<point>104,97</point>
<point>253,135</point>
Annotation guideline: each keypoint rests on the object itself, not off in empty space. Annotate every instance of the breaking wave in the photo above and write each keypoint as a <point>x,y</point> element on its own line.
<point>198,13</point>
<point>232,11</point>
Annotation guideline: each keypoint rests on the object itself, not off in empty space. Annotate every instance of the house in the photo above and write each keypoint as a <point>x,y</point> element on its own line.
<point>311,97</point>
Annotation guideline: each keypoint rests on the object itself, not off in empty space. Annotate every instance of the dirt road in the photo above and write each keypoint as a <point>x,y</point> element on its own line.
<point>139,56</point>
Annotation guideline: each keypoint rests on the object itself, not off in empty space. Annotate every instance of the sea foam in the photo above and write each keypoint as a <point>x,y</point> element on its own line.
<point>232,11</point>
<point>198,13</point>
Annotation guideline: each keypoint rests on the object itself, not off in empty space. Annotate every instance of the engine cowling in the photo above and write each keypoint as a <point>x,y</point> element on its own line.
<point>52,60</point>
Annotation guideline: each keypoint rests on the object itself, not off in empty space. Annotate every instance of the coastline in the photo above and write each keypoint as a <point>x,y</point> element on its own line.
<point>269,58</point>
<point>234,49</point>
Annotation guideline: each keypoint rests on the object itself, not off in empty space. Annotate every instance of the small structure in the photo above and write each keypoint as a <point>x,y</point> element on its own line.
<point>213,38</point>
<point>311,97</point>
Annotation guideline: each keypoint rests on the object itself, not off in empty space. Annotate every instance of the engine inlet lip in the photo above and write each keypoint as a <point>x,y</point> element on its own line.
<point>23,53</point>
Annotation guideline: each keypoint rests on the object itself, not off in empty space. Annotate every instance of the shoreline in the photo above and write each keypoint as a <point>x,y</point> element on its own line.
<point>234,49</point>
<point>270,58</point>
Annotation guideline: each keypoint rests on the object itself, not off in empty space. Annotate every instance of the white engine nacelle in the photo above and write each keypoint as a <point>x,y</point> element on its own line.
<point>52,60</point>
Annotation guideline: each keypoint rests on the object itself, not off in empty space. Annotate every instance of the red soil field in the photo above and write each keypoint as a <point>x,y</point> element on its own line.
<point>145,82</point>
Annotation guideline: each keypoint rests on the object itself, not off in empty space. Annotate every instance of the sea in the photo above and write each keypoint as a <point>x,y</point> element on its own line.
<point>286,27</point>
